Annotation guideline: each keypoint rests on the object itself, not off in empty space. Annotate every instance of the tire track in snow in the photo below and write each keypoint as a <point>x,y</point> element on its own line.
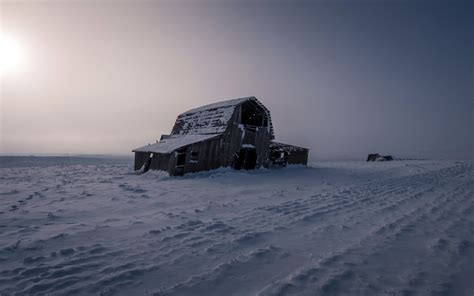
<point>338,273</point>
<point>395,186</point>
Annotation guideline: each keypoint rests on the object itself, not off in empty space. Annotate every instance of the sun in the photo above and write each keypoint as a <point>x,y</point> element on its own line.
<point>12,55</point>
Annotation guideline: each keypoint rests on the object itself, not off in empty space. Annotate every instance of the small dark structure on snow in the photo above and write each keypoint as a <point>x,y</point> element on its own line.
<point>235,133</point>
<point>378,157</point>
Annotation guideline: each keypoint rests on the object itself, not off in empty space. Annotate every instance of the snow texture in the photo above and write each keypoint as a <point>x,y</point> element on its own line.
<point>169,144</point>
<point>83,227</point>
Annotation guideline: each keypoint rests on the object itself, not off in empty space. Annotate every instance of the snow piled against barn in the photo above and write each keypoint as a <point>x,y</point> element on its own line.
<point>74,226</point>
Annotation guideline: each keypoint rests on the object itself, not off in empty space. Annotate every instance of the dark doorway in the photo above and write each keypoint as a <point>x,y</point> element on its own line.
<point>245,159</point>
<point>180,161</point>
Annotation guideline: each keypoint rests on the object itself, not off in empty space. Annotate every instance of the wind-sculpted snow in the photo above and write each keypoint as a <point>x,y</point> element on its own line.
<point>338,228</point>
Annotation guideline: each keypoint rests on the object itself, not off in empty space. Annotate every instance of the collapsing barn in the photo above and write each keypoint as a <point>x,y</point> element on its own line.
<point>235,133</point>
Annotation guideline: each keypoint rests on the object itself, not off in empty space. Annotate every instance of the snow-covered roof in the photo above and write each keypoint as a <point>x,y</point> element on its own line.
<point>218,105</point>
<point>212,118</point>
<point>201,124</point>
<point>285,147</point>
<point>169,144</point>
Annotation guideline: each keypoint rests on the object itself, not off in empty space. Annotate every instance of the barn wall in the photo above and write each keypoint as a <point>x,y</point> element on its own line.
<point>209,157</point>
<point>232,139</point>
<point>172,163</point>
<point>237,135</point>
<point>160,162</point>
<point>298,157</point>
<point>140,159</point>
<point>262,142</point>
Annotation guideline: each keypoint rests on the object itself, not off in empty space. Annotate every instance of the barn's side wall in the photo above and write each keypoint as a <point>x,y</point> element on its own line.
<point>298,157</point>
<point>140,159</point>
<point>160,162</point>
<point>208,157</point>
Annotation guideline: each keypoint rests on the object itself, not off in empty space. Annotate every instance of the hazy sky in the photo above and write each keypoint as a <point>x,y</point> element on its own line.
<point>343,78</point>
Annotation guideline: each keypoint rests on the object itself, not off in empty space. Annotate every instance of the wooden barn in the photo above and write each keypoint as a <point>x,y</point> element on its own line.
<point>235,133</point>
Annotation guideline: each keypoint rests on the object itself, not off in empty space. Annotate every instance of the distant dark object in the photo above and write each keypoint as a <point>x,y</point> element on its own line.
<point>378,157</point>
<point>235,133</point>
<point>372,157</point>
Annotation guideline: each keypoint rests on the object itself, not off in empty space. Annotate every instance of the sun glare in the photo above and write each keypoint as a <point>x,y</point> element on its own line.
<point>12,55</point>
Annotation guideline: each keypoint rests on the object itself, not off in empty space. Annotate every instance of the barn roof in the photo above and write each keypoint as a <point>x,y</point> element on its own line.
<point>286,147</point>
<point>169,144</point>
<point>212,118</point>
<point>218,105</point>
<point>200,124</point>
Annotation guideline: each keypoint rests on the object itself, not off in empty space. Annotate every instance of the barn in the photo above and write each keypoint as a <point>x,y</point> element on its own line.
<point>235,133</point>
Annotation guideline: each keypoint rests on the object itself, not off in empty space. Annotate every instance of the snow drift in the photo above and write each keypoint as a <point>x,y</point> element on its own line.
<point>95,228</point>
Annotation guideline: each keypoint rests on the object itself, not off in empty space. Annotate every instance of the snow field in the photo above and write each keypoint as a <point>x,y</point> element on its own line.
<point>337,228</point>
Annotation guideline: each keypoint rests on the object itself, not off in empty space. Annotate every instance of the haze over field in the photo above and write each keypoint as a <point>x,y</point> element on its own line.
<point>343,78</point>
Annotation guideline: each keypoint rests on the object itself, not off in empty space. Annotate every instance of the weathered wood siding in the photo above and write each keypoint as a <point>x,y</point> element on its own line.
<point>237,135</point>
<point>208,157</point>
<point>298,157</point>
<point>140,159</point>
<point>160,162</point>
